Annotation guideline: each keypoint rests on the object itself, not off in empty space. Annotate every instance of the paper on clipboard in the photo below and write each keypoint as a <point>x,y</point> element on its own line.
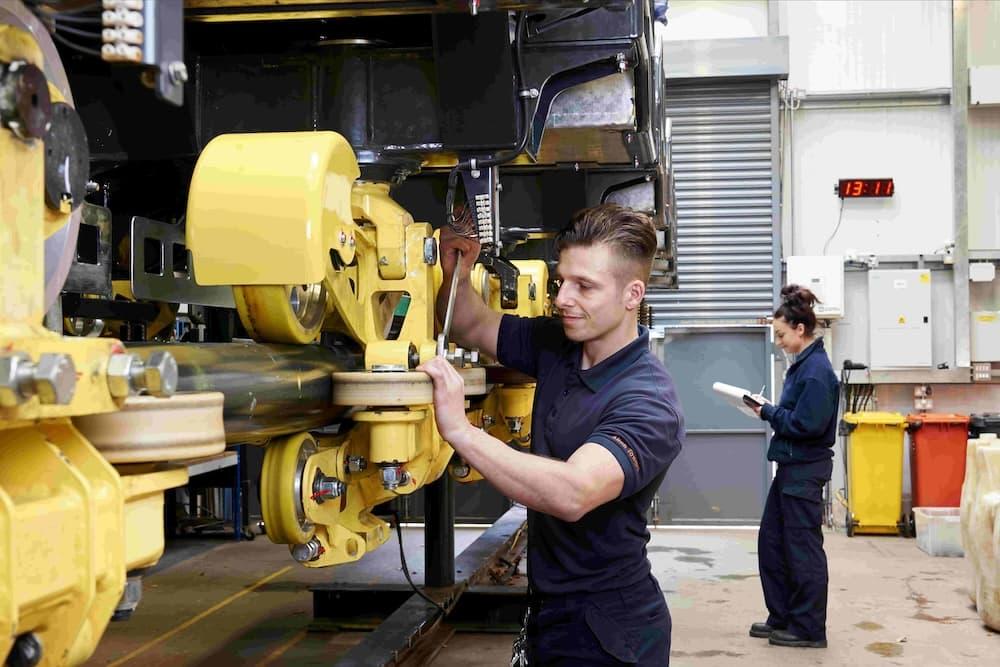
<point>734,395</point>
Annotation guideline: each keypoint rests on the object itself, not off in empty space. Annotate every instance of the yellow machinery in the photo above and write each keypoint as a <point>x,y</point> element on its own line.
<point>72,524</point>
<point>349,260</point>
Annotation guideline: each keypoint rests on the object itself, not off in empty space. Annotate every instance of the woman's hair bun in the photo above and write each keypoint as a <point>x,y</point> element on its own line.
<point>796,295</point>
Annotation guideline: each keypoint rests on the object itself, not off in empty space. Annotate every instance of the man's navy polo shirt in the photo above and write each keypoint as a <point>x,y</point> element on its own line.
<point>626,404</point>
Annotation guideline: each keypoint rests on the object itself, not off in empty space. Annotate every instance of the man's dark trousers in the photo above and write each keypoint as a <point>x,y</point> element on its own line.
<point>629,626</point>
<point>793,568</point>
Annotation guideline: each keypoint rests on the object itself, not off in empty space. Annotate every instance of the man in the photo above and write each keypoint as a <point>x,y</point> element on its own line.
<point>606,425</point>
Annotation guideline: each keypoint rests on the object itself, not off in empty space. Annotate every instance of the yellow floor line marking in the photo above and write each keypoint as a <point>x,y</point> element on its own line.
<point>280,651</point>
<point>191,621</point>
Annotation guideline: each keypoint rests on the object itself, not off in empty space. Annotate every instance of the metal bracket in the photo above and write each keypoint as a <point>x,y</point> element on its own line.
<point>507,273</point>
<point>162,269</point>
<point>164,48</point>
<point>90,272</point>
<point>481,197</point>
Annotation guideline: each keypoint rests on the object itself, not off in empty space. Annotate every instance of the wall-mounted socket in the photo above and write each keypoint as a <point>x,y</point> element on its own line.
<point>922,401</point>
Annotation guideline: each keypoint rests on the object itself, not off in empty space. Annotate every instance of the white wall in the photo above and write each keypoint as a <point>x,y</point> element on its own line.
<point>715,19</point>
<point>867,44</point>
<point>984,134</point>
<point>911,145</point>
<point>984,178</point>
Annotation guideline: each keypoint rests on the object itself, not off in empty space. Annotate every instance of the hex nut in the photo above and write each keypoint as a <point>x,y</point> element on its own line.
<point>160,374</point>
<point>55,379</point>
<point>120,374</point>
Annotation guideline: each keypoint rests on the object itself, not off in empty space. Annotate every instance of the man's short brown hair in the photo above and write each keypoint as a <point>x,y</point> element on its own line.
<point>630,234</point>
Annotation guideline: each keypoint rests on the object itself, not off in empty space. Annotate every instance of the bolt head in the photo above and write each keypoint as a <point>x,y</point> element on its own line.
<point>356,464</point>
<point>306,552</point>
<point>120,374</point>
<point>430,251</point>
<point>55,379</point>
<point>178,72</point>
<point>10,391</point>
<point>161,374</point>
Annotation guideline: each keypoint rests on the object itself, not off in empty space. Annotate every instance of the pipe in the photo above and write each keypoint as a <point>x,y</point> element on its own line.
<point>270,390</point>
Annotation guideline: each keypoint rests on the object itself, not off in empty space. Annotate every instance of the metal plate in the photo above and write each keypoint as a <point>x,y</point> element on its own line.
<point>87,276</point>
<point>606,103</point>
<point>164,279</point>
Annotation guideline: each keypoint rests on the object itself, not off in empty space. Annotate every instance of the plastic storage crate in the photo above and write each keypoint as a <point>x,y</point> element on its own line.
<point>939,530</point>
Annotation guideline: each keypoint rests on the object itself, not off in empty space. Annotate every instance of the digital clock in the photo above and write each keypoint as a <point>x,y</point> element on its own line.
<point>851,188</point>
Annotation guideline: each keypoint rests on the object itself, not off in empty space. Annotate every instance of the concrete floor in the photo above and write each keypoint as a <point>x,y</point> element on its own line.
<point>247,603</point>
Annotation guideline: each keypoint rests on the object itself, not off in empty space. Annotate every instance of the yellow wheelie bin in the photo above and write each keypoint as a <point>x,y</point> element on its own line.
<point>874,472</point>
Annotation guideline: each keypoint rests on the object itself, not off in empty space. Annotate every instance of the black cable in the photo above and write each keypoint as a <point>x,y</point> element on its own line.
<point>406,569</point>
<point>76,47</point>
<point>70,18</point>
<point>54,7</point>
<point>76,31</point>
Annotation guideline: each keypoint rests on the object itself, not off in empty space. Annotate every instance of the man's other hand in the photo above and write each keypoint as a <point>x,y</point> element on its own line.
<point>449,398</point>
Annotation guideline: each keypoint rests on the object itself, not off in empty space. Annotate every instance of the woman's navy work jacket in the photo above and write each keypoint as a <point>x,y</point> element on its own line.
<point>805,420</point>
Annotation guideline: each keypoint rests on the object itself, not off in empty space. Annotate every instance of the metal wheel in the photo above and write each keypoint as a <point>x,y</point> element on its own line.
<point>60,244</point>
<point>281,489</point>
<point>282,313</point>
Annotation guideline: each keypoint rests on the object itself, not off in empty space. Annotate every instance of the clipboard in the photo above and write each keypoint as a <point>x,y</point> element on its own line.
<point>740,398</point>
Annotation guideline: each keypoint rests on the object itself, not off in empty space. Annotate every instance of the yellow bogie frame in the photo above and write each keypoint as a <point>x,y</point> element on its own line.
<point>343,526</point>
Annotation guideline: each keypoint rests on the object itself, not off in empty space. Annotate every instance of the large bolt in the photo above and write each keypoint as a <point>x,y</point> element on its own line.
<point>55,379</point>
<point>15,379</point>
<point>128,374</point>
<point>160,374</point>
<point>52,379</point>
<point>304,553</point>
<point>393,476</point>
<point>326,488</point>
<point>120,374</point>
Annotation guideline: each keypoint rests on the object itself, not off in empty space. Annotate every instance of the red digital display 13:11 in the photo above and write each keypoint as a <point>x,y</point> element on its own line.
<point>850,188</point>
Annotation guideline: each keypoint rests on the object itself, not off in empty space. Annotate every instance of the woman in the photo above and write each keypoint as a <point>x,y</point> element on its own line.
<point>792,563</point>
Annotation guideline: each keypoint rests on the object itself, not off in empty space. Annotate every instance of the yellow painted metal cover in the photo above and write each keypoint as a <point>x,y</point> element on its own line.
<point>262,208</point>
<point>875,418</point>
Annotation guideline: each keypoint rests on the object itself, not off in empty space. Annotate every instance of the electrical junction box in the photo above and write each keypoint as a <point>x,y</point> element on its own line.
<point>824,276</point>
<point>985,335</point>
<point>899,319</point>
<point>984,85</point>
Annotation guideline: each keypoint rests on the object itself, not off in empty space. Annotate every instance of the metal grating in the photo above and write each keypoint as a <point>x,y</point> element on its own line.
<point>722,165</point>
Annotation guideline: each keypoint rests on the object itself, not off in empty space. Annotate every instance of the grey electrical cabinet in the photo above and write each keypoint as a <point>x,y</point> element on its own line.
<point>899,318</point>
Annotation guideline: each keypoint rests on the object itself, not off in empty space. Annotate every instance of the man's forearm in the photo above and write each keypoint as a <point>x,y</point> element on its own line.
<point>467,310</point>
<point>541,484</point>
